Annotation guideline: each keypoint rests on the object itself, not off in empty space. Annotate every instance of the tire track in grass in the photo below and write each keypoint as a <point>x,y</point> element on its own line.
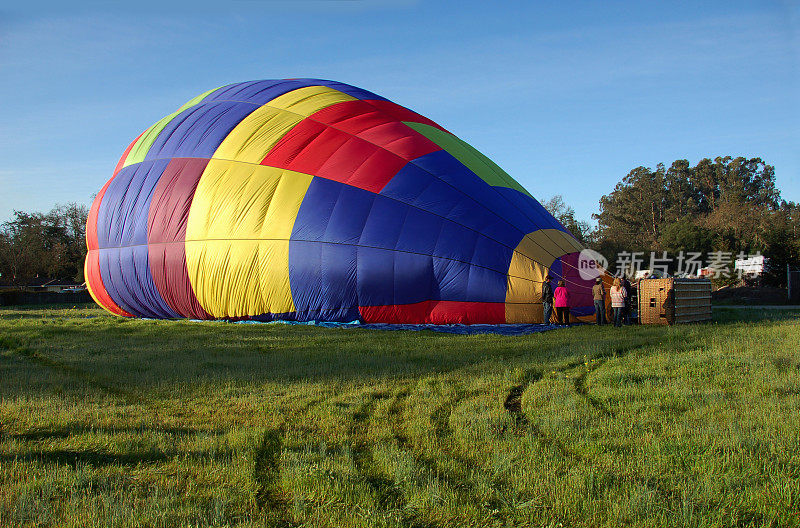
<point>457,480</point>
<point>270,494</point>
<point>595,362</point>
<point>266,470</point>
<point>513,401</point>
<point>513,405</point>
<point>389,497</point>
<point>583,390</point>
<point>522,425</point>
<point>102,383</point>
<point>354,444</point>
<point>440,419</point>
<point>598,360</point>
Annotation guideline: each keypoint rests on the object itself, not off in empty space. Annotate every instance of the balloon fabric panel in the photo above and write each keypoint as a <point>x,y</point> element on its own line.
<point>122,236</point>
<point>125,155</point>
<point>244,274</point>
<point>521,209</point>
<point>416,248</point>
<point>485,168</point>
<point>262,92</point>
<point>350,142</point>
<point>256,135</point>
<point>91,271</point>
<point>139,148</point>
<point>166,235</point>
<point>199,130</point>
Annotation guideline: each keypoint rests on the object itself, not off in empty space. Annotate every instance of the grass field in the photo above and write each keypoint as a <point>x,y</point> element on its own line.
<point>116,422</point>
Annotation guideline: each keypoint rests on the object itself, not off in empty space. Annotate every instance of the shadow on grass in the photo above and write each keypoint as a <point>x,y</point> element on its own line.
<point>124,358</point>
<point>727,315</point>
<point>266,472</point>
<point>39,311</point>
<point>75,430</point>
<point>127,358</point>
<point>97,458</point>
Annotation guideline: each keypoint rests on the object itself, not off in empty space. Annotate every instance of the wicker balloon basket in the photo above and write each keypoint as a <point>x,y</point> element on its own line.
<point>674,301</point>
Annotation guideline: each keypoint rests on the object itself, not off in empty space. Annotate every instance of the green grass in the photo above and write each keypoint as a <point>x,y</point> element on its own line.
<point>117,422</point>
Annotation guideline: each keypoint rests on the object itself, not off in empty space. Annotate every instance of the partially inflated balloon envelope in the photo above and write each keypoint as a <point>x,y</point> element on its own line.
<point>306,199</point>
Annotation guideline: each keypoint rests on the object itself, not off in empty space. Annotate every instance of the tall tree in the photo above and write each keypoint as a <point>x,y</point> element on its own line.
<point>565,214</point>
<point>635,211</point>
<point>40,245</point>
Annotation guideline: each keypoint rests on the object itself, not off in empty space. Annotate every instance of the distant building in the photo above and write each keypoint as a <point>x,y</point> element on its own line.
<point>53,285</point>
<point>705,272</point>
<point>753,266</point>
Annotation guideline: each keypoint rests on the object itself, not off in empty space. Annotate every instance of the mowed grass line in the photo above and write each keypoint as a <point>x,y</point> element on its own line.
<point>115,422</point>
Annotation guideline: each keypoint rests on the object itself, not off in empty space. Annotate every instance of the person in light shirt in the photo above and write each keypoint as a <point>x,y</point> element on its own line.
<point>618,296</point>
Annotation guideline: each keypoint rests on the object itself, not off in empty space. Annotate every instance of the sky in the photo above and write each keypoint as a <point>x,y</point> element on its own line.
<point>567,97</point>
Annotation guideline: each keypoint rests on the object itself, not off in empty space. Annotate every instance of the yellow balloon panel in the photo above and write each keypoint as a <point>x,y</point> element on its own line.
<point>237,249</point>
<point>530,264</point>
<point>546,245</point>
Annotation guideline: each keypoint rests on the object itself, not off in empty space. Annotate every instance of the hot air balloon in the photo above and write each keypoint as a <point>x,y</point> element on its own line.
<point>308,199</point>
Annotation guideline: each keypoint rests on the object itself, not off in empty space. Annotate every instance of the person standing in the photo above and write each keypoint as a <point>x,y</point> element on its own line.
<point>599,295</point>
<point>626,315</point>
<point>617,293</point>
<point>561,296</point>
<point>547,300</point>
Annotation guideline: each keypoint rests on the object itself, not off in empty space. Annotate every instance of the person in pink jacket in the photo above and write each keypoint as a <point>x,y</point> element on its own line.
<point>561,303</point>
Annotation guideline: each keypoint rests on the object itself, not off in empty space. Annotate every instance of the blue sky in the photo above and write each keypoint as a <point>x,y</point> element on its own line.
<point>566,96</point>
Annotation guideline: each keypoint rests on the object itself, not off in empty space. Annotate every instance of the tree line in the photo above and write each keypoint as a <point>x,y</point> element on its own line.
<point>725,205</point>
<point>44,246</point>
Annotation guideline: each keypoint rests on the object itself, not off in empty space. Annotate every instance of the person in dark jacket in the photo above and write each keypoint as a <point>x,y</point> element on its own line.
<point>599,295</point>
<point>547,300</point>
<point>626,313</point>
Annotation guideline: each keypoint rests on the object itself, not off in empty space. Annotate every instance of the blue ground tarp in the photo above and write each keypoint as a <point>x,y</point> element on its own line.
<point>499,329</point>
